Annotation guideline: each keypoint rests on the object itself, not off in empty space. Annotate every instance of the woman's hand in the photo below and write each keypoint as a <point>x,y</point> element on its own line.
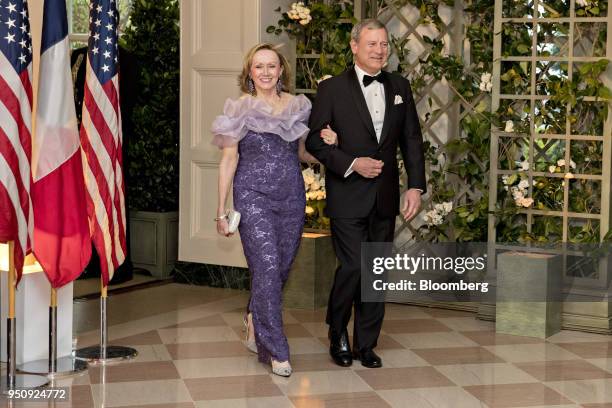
<point>223,227</point>
<point>329,136</point>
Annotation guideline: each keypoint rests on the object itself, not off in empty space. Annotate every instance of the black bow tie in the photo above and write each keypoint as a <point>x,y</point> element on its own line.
<point>367,79</point>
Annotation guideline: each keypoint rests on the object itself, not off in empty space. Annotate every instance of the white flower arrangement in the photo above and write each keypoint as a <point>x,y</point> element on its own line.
<point>509,126</point>
<point>300,13</point>
<point>520,190</point>
<point>582,3</point>
<point>485,82</point>
<point>314,185</point>
<point>436,215</point>
<point>561,163</point>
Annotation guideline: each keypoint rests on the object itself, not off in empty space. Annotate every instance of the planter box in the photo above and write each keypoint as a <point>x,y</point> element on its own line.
<point>154,241</point>
<point>312,273</point>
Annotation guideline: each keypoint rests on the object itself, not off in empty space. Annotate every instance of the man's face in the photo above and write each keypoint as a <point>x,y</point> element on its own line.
<point>372,50</point>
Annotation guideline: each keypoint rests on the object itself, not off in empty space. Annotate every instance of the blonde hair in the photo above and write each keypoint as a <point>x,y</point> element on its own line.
<point>243,78</point>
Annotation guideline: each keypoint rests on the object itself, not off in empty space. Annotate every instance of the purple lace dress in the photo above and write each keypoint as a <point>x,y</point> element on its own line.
<point>269,194</point>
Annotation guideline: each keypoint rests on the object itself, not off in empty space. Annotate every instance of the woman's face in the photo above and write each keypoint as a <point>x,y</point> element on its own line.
<point>265,70</point>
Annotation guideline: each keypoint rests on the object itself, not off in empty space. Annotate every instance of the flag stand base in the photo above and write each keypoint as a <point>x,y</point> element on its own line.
<point>64,367</point>
<point>22,381</point>
<point>102,353</point>
<point>114,354</point>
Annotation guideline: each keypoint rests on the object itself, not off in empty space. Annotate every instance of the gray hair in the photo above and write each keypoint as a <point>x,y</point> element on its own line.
<point>369,23</point>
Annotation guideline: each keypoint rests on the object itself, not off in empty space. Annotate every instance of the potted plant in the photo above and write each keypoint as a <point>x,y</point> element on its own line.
<point>152,37</point>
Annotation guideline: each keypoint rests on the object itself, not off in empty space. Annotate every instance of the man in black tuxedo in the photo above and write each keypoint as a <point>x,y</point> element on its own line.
<point>372,112</point>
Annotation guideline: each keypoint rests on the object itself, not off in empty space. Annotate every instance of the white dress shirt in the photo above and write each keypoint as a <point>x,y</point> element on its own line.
<point>374,95</point>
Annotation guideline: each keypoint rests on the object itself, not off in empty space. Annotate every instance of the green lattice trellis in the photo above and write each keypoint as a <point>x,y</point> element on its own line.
<point>566,143</point>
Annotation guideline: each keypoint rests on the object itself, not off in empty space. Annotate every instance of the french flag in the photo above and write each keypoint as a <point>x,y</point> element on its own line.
<point>61,243</point>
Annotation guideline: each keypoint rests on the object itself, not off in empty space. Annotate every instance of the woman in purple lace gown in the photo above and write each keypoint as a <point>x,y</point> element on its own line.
<point>262,136</point>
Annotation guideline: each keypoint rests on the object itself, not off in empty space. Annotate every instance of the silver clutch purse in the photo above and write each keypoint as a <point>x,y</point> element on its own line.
<point>233,220</point>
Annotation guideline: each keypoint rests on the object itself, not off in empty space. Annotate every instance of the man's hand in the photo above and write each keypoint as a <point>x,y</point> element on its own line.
<point>412,203</point>
<point>367,167</point>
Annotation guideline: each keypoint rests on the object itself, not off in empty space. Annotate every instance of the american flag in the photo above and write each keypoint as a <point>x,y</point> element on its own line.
<point>101,138</point>
<point>16,221</point>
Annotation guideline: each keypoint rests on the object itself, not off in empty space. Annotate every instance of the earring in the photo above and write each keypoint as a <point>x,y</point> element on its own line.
<point>251,86</point>
<point>279,87</point>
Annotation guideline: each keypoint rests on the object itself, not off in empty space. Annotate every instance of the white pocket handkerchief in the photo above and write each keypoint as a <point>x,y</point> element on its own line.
<point>398,100</point>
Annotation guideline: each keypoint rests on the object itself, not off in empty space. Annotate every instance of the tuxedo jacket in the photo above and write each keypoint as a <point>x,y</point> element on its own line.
<point>341,104</point>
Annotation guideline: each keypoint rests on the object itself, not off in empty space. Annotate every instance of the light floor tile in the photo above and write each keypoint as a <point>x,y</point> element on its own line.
<point>80,379</point>
<point>129,372</point>
<point>207,350</point>
<point>491,338</point>
<point>586,391</point>
<point>406,377</point>
<point>467,323</point>
<point>316,329</point>
<point>440,397</point>
<point>563,370</point>
<point>517,395</point>
<point>427,340</point>
<point>197,334</point>
<point>170,405</point>
<point>321,382</point>
<point>246,386</point>
<point>304,345</point>
<point>604,363</point>
<point>220,367</point>
<point>305,316</point>
<point>571,336</point>
<point>414,326</point>
<point>314,362</point>
<point>233,318</point>
<point>439,312</point>
<point>457,355</point>
<point>214,320</point>
<point>147,338</point>
<point>261,402</point>
<point>352,400</point>
<point>480,374</point>
<point>401,312</point>
<point>531,352</point>
<point>140,393</point>
<point>591,349</point>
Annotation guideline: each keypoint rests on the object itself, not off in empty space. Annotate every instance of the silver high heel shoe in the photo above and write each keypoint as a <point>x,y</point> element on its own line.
<point>282,369</point>
<point>250,344</point>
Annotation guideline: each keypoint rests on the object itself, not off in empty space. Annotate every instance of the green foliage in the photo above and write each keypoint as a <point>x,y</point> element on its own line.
<point>153,36</point>
<point>464,161</point>
<point>322,44</point>
<point>80,15</point>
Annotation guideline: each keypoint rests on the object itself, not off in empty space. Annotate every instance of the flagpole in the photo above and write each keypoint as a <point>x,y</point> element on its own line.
<point>53,367</point>
<point>12,380</point>
<point>103,353</point>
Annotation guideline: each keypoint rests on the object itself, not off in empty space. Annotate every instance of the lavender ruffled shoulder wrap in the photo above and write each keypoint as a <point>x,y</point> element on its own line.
<point>251,114</point>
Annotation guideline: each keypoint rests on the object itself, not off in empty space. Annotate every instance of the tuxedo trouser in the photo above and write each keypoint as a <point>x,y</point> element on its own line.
<point>347,236</point>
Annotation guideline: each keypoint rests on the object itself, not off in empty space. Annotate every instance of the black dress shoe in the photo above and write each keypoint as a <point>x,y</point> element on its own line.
<point>368,358</point>
<point>339,348</point>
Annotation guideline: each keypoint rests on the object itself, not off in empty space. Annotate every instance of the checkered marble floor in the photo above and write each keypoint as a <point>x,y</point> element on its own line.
<point>191,355</point>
